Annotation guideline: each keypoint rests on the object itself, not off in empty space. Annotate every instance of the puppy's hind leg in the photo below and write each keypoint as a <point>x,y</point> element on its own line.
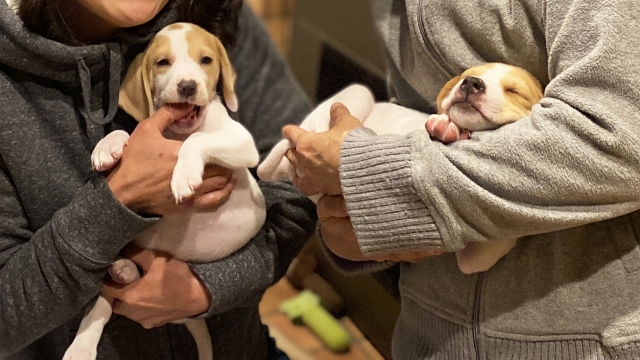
<point>200,332</point>
<point>85,344</point>
<point>481,256</point>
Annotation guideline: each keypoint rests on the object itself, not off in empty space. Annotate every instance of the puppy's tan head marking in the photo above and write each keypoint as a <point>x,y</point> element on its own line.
<point>489,95</point>
<point>176,26</point>
<point>182,63</point>
<point>207,50</point>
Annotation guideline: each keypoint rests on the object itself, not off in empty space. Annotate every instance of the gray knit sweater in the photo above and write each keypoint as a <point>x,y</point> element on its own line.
<point>60,226</point>
<point>565,180</point>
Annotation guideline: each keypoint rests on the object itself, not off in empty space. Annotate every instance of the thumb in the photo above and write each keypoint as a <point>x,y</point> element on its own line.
<point>141,257</point>
<point>164,117</point>
<point>341,117</point>
<point>293,133</point>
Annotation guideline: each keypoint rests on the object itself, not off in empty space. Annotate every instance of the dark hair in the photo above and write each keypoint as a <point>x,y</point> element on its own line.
<point>219,17</point>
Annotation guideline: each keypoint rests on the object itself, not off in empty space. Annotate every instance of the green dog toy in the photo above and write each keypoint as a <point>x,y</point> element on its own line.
<point>305,308</point>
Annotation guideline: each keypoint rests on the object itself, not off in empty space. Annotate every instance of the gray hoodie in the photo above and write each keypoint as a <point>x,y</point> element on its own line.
<point>565,180</point>
<point>60,226</point>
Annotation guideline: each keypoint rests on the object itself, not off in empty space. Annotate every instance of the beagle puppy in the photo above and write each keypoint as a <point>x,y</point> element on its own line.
<point>484,97</point>
<point>183,64</point>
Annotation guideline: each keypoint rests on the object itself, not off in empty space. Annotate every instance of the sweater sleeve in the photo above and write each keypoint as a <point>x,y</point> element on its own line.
<point>269,97</point>
<point>574,160</point>
<point>49,275</point>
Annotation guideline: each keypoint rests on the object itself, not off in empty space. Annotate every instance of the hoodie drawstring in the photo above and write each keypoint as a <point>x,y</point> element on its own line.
<point>112,84</point>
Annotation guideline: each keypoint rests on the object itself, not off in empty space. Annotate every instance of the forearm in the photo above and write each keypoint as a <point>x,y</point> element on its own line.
<point>387,213</point>
<point>573,161</point>
<point>240,279</point>
<point>48,276</point>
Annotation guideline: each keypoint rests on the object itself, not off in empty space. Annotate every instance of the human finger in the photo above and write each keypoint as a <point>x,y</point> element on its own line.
<point>166,115</point>
<point>341,118</point>
<point>216,197</point>
<point>116,290</point>
<point>212,170</point>
<point>141,257</point>
<point>131,312</point>
<point>331,206</point>
<point>293,133</point>
<point>212,184</point>
<point>292,156</point>
<point>305,185</point>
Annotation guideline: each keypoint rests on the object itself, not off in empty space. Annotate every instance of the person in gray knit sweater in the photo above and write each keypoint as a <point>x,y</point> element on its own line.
<point>62,224</point>
<point>564,180</point>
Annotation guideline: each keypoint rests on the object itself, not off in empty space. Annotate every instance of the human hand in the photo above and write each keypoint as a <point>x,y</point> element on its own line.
<point>337,230</point>
<point>141,179</point>
<point>167,291</point>
<point>316,156</point>
<point>339,237</point>
<point>439,126</point>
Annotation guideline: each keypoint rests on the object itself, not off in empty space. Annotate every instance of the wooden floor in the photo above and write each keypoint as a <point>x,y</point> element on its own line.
<point>300,343</point>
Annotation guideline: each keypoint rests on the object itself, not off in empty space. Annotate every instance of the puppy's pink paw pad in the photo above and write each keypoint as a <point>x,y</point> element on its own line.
<point>439,126</point>
<point>124,271</point>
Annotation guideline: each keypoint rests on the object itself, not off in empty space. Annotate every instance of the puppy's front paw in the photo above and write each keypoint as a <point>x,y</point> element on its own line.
<point>187,177</point>
<point>109,150</point>
<point>441,127</point>
<point>124,271</point>
<point>80,350</point>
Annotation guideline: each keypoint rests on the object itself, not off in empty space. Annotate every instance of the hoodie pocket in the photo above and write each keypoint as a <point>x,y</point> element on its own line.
<point>625,231</point>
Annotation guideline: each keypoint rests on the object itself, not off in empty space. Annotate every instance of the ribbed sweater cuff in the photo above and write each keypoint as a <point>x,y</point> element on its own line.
<point>387,214</point>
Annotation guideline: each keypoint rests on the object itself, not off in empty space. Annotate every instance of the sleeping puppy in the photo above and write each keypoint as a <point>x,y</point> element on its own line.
<point>482,98</point>
<point>183,64</point>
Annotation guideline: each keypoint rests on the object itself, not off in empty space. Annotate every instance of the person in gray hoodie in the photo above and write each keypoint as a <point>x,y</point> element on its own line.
<point>61,224</point>
<point>564,180</point>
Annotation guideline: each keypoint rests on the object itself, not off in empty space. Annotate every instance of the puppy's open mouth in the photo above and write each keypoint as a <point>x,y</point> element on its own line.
<point>190,119</point>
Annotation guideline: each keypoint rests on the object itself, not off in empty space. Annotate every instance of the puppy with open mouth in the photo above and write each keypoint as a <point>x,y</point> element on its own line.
<point>181,67</point>
<point>483,97</point>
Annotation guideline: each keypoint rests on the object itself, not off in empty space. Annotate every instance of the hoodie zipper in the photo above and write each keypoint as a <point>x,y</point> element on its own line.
<point>476,314</point>
<point>429,44</point>
<point>476,301</point>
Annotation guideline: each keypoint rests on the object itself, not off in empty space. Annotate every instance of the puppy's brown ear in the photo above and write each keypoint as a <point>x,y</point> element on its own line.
<point>228,77</point>
<point>444,92</point>
<point>135,92</point>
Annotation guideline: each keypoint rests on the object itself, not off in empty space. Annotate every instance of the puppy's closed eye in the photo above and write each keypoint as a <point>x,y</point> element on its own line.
<point>515,92</point>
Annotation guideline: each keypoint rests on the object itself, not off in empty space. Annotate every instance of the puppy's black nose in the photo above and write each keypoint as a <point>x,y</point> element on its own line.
<point>187,88</point>
<point>473,85</point>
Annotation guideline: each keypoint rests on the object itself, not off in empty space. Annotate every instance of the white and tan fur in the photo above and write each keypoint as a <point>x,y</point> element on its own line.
<point>509,93</point>
<point>485,97</point>
<point>183,64</point>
